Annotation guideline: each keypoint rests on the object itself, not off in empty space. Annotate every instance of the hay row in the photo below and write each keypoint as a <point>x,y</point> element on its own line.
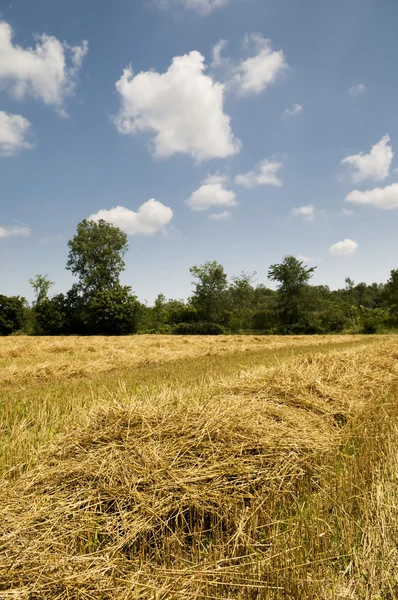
<point>186,494</point>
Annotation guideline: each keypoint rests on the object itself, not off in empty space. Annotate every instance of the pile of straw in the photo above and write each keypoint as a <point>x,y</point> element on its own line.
<point>185,495</point>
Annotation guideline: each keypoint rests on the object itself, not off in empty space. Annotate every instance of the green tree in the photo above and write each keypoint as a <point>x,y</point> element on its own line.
<point>113,312</point>
<point>209,297</point>
<point>52,316</point>
<point>293,296</point>
<point>390,293</point>
<point>96,256</point>
<point>11,314</point>
<point>159,311</point>
<point>241,294</point>
<point>41,285</point>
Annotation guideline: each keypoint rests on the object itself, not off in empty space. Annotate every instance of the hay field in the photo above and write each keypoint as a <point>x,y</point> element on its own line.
<point>190,468</point>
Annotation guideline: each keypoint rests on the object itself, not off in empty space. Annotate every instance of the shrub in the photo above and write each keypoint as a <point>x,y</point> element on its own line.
<point>12,314</point>
<point>113,312</point>
<point>198,329</point>
<point>372,319</point>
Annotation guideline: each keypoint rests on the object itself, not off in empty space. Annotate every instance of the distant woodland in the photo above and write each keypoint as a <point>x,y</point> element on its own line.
<point>97,304</point>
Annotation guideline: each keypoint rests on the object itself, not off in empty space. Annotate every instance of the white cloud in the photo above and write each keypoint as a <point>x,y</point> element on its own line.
<point>218,60</point>
<point>385,198</point>
<point>343,248</point>
<point>47,72</point>
<point>150,218</point>
<point>211,194</point>
<point>14,133</point>
<point>256,73</point>
<point>183,108</point>
<point>347,212</point>
<point>220,216</point>
<point>265,173</point>
<point>295,110</point>
<point>357,90</point>
<point>307,212</point>
<point>14,230</point>
<point>204,7</point>
<point>307,259</point>
<point>375,165</point>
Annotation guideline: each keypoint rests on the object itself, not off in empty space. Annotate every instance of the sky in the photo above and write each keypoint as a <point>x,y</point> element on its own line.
<point>232,130</point>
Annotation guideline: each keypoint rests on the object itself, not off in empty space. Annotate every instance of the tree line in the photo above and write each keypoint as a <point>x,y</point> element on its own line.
<point>98,304</point>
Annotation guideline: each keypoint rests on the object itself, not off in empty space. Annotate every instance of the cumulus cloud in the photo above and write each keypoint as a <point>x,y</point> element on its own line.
<point>296,109</point>
<point>256,73</point>
<point>220,216</point>
<point>385,198</point>
<point>15,132</point>
<point>150,218</point>
<point>343,248</point>
<point>357,90</point>
<point>182,107</point>
<point>306,212</point>
<point>203,7</point>
<point>14,231</point>
<point>375,165</point>
<point>265,173</point>
<point>47,72</point>
<point>212,193</point>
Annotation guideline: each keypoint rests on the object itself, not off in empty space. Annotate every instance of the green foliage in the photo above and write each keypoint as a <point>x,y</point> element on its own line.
<point>201,328</point>
<point>390,296</point>
<point>179,312</point>
<point>241,301</point>
<point>41,285</point>
<point>113,312</point>
<point>263,320</point>
<point>99,304</point>
<point>209,297</point>
<point>290,275</point>
<point>372,319</point>
<point>294,295</point>
<point>96,256</point>
<point>52,316</point>
<point>12,312</point>
<point>333,317</point>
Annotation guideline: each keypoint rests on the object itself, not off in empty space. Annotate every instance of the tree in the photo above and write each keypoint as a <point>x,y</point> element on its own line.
<point>210,291</point>
<point>293,296</point>
<point>52,316</point>
<point>390,293</point>
<point>241,295</point>
<point>113,312</point>
<point>41,285</point>
<point>11,314</point>
<point>96,256</point>
<point>159,311</point>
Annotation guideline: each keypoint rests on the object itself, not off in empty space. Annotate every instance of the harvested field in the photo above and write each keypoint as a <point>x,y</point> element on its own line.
<point>26,358</point>
<point>264,473</point>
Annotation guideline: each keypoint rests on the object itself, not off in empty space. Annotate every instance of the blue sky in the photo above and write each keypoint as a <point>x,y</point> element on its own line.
<point>229,130</point>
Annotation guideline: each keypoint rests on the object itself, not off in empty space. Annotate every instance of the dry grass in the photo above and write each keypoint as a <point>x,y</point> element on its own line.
<point>48,385</point>
<point>277,482</point>
<point>24,359</point>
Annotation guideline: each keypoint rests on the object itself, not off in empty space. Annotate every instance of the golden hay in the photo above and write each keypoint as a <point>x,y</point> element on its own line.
<point>193,493</point>
<point>24,359</point>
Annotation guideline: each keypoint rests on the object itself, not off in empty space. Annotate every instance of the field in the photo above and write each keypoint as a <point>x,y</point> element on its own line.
<point>156,467</point>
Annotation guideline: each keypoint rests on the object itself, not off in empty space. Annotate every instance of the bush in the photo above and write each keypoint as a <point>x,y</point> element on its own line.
<point>12,314</point>
<point>162,330</point>
<point>301,328</point>
<point>113,312</point>
<point>372,319</point>
<point>198,329</point>
<point>51,316</point>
